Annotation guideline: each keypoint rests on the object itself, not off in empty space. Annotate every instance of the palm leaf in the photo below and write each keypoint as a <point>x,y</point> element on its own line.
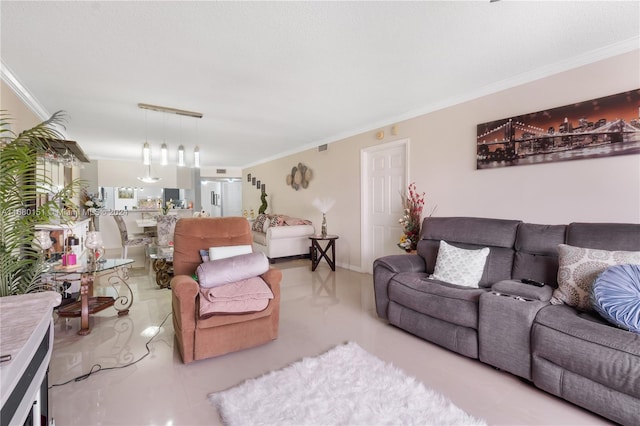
<point>21,181</point>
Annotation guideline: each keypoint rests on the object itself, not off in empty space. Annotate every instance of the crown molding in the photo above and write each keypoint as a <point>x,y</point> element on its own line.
<point>22,92</point>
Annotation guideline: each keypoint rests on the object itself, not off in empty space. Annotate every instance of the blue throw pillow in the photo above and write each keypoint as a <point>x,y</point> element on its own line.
<point>616,296</point>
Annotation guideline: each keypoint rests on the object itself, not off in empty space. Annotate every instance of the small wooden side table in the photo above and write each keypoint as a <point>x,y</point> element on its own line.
<point>317,252</point>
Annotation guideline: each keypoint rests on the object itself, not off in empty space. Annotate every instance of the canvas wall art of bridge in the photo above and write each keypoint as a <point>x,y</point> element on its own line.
<point>594,128</point>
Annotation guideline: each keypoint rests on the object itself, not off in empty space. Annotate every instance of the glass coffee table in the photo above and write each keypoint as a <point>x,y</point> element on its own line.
<point>116,271</point>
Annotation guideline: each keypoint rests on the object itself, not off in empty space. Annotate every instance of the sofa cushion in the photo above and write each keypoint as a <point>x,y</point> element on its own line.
<point>586,345</point>
<point>276,220</point>
<point>231,269</point>
<point>472,233</point>
<point>258,224</point>
<point>579,268</point>
<point>447,302</point>
<point>459,266</point>
<point>537,252</point>
<point>604,236</point>
<point>616,296</point>
<point>222,252</point>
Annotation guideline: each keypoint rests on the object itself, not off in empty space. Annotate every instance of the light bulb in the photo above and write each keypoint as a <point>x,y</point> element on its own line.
<point>181,156</point>
<point>146,154</point>
<point>196,157</point>
<point>164,155</point>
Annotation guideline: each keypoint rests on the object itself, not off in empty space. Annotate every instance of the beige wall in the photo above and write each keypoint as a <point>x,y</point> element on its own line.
<point>443,164</point>
<point>126,173</point>
<point>22,118</point>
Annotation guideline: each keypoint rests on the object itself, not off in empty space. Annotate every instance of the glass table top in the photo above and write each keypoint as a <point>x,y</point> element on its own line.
<point>82,267</point>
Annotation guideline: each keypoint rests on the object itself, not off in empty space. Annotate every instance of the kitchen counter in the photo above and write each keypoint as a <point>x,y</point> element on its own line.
<point>26,328</point>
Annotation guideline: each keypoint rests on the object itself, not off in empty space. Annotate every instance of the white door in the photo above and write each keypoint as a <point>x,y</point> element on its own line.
<point>232,198</point>
<point>384,170</point>
<point>208,190</point>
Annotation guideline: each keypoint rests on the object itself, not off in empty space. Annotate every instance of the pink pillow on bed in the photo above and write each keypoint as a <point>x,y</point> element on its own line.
<point>293,221</point>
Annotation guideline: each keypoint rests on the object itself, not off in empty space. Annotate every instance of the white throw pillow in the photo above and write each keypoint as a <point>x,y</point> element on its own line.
<point>459,266</point>
<point>222,252</point>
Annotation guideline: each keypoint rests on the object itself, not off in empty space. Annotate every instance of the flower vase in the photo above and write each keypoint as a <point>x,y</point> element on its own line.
<point>324,225</point>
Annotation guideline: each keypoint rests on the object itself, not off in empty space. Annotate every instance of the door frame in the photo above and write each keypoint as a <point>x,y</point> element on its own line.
<point>366,254</point>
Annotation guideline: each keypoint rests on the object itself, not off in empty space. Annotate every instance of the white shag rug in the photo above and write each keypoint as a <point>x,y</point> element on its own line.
<point>345,386</point>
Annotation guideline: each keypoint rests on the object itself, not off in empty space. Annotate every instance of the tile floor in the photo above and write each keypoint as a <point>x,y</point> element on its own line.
<point>318,311</point>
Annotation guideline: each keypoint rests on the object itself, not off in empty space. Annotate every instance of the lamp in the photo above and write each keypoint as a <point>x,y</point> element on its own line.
<point>42,239</point>
<point>148,178</point>
<point>163,149</point>
<point>93,241</point>
<point>146,154</point>
<point>181,156</point>
<point>163,155</point>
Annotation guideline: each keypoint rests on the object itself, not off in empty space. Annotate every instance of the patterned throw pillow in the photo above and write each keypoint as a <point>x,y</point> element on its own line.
<point>258,224</point>
<point>579,268</point>
<point>616,296</point>
<point>459,266</point>
<point>277,220</point>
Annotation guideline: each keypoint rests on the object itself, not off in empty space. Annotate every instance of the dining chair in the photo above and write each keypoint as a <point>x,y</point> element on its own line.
<point>129,240</point>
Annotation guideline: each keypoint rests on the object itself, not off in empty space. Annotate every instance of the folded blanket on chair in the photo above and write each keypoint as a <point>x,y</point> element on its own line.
<point>250,295</point>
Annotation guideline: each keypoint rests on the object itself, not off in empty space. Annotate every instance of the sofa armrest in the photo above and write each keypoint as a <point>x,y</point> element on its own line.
<point>516,288</point>
<point>184,290</point>
<point>387,267</point>
<point>277,232</point>
<point>401,263</point>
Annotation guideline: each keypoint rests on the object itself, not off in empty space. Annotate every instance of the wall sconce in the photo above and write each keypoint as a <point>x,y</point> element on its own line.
<point>196,157</point>
<point>164,160</point>
<point>181,156</point>
<point>146,154</point>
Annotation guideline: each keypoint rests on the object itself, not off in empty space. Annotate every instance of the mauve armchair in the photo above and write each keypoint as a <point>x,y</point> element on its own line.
<point>220,334</point>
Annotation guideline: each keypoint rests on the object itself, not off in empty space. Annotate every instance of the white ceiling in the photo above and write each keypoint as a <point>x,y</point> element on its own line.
<point>273,78</point>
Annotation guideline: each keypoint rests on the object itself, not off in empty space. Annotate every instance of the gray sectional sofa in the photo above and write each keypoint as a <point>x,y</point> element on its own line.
<point>513,326</point>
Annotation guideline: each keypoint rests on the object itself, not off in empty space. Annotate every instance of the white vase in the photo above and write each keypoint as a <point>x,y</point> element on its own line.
<point>324,225</point>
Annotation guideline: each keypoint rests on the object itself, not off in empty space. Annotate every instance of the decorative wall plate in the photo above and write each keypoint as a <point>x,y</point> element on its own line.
<point>299,177</point>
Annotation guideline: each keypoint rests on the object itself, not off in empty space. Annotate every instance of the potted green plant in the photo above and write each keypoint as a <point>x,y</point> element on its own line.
<point>21,181</point>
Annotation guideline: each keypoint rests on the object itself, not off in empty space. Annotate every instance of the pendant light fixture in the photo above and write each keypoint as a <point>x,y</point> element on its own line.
<point>196,151</point>
<point>146,157</point>
<point>146,154</point>
<point>164,160</point>
<point>181,156</point>
<point>148,178</point>
<point>146,150</point>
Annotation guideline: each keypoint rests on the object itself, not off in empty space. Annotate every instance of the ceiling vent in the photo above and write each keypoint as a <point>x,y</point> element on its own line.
<point>322,148</point>
<point>221,171</point>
